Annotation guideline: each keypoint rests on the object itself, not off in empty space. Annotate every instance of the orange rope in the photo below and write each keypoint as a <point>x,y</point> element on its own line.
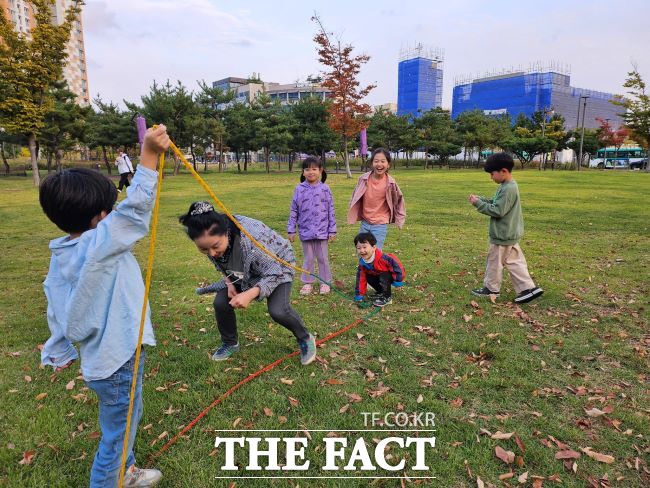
<point>251,377</point>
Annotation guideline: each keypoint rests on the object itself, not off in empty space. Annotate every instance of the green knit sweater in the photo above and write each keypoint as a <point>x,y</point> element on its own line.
<point>504,209</point>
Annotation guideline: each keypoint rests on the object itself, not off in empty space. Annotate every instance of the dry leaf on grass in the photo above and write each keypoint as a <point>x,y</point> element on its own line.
<point>567,454</point>
<point>603,458</point>
<point>334,381</point>
<point>507,457</point>
<point>28,457</point>
<point>498,435</point>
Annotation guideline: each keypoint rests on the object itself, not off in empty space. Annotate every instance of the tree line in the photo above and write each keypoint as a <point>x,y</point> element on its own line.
<point>37,110</point>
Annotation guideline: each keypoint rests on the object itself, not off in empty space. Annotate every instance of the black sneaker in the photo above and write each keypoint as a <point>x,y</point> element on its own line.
<point>484,292</point>
<point>382,301</point>
<point>529,295</point>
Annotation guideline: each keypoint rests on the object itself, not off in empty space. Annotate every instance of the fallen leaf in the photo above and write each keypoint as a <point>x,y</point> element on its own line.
<point>567,454</point>
<point>28,378</point>
<point>420,399</point>
<point>467,318</point>
<point>479,483</point>
<point>40,396</point>
<point>163,435</point>
<point>507,457</point>
<point>268,412</point>
<point>594,412</point>
<point>523,477</point>
<point>344,408</point>
<point>282,419</point>
<point>381,389</point>
<point>506,476</point>
<point>286,381</point>
<point>69,385</point>
<point>456,403</point>
<point>520,444</point>
<point>236,422</point>
<point>28,456</point>
<point>334,381</point>
<point>293,401</point>
<point>353,397</point>
<point>603,458</point>
<point>498,435</point>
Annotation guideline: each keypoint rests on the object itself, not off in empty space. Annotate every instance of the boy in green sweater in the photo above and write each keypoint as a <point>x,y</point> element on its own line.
<point>506,229</point>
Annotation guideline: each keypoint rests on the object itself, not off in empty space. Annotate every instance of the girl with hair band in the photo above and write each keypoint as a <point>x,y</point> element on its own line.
<point>249,274</point>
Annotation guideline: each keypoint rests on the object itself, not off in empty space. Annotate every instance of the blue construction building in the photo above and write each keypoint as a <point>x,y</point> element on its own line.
<point>536,89</point>
<point>419,80</point>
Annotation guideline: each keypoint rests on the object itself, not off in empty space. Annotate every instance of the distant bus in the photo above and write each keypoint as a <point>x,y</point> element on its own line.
<point>622,158</point>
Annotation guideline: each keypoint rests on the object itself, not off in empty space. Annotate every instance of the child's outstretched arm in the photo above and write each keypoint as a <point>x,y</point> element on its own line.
<point>499,206</point>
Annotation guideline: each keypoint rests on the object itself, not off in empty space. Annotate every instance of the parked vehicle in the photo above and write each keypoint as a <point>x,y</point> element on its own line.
<point>621,158</point>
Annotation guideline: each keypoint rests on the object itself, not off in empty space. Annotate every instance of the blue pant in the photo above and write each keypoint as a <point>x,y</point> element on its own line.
<point>113,395</point>
<point>377,230</point>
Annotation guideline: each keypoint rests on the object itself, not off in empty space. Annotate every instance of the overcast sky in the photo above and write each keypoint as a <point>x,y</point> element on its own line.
<point>129,43</point>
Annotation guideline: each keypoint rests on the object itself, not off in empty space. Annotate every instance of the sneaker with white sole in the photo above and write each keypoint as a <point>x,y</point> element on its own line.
<point>224,352</point>
<point>484,292</point>
<point>306,289</point>
<point>140,478</point>
<point>307,350</point>
<point>382,301</point>
<point>529,295</point>
<point>325,289</point>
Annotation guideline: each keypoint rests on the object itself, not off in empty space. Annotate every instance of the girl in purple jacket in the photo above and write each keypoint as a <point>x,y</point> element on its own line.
<point>312,211</point>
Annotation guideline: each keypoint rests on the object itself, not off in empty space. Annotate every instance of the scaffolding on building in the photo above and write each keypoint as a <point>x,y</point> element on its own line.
<point>532,68</point>
<point>420,77</point>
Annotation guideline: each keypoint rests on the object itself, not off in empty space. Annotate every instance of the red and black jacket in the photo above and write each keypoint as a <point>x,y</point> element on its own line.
<point>384,262</point>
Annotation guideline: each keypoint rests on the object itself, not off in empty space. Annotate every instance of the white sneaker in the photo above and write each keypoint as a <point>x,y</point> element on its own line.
<point>137,477</point>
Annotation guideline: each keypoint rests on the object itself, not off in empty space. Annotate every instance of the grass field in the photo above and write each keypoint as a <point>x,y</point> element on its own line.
<point>538,371</point>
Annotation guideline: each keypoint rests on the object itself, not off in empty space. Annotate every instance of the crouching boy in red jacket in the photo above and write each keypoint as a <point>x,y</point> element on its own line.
<point>378,269</point>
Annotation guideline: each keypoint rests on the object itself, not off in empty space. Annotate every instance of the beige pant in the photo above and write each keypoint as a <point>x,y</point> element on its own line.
<point>512,257</point>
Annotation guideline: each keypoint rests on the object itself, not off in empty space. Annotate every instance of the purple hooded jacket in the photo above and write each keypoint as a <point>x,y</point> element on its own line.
<point>312,210</point>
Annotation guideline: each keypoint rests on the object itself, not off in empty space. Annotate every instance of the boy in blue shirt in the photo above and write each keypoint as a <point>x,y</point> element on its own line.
<point>94,291</point>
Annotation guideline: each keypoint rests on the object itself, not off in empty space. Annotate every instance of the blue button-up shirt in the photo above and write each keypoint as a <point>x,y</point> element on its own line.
<point>94,287</point>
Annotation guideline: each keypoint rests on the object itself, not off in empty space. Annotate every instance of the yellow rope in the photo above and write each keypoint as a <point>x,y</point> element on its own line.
<point>147,285</point>
<point>205,186</point>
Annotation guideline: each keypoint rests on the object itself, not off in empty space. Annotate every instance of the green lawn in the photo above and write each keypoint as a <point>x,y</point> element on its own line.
<point>480,367</point>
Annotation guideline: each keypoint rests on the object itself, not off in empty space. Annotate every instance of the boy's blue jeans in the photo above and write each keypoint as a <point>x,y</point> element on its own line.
<point>113,395</point>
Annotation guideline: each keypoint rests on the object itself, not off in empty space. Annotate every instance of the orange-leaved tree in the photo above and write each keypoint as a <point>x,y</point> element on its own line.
<point>348,114</point>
